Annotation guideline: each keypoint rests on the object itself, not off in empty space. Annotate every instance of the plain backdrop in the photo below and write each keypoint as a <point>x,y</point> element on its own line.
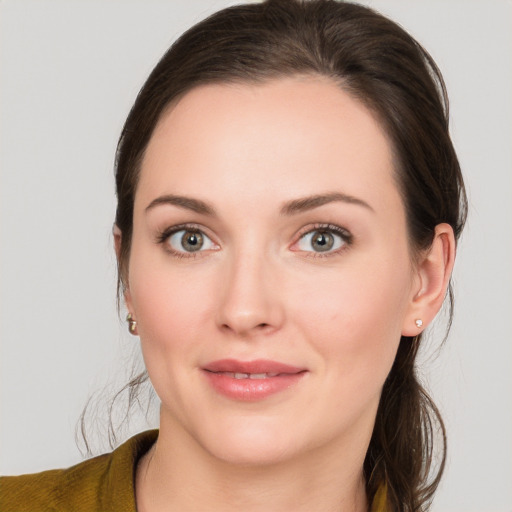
<point>70,71</point>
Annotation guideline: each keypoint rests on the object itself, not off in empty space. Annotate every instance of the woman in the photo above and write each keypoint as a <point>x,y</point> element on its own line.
<point>289,202</point>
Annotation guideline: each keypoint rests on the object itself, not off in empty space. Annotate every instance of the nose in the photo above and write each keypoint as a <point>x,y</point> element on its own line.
<point>249,301</point>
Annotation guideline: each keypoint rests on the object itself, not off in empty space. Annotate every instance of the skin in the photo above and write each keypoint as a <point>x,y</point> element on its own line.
<point>261,290</point>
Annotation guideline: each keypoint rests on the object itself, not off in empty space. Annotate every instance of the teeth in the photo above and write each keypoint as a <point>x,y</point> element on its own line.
<point>250,375</point>
<point>258,376</point>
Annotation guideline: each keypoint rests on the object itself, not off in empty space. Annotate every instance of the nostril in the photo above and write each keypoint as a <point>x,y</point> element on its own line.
<point>258,327</point>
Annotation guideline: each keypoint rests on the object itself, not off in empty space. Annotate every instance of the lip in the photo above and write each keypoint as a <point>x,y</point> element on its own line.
<point>264,378</point>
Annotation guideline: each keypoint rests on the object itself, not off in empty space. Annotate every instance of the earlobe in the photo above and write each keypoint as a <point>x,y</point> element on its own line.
<point>434,271</point>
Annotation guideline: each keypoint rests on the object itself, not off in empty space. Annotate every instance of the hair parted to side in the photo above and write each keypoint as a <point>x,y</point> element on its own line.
<point>379,64</point>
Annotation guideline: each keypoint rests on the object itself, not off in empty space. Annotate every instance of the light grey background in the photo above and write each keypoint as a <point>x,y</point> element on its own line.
<point>70,71</point>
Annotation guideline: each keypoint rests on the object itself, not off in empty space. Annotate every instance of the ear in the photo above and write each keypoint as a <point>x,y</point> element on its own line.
<point>433,272</point>
<point>116,232</point>
<point>118,235</point>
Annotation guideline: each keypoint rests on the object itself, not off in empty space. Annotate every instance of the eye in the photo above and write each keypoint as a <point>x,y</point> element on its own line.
<point>189,241</point>
<point>323,240</point>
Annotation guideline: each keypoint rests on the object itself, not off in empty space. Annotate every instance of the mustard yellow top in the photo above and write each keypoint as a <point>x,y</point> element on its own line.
<point>104,483</point>
<point>101,484</point>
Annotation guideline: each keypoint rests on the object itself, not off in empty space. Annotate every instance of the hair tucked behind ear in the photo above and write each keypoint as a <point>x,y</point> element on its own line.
<point>379,64</point>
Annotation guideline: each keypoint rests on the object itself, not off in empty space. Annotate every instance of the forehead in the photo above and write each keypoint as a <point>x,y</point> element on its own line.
<point>293,136</point>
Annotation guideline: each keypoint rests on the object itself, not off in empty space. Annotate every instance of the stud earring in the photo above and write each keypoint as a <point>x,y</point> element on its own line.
<point>419,323</point>
<point>132,324</point>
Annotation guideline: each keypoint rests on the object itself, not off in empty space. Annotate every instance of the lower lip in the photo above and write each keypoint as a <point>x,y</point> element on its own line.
<point>250,390</point>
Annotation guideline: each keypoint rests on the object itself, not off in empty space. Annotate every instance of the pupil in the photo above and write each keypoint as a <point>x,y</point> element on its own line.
<point>192,241</point>
<point>323,241</point>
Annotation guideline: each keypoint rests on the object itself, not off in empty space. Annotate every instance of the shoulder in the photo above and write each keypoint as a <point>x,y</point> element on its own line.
<point>78,486</point>
<point>101,483</point>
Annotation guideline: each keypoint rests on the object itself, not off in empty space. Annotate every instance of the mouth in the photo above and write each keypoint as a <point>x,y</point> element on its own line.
<point>255,367</point>
<point>251,380</point>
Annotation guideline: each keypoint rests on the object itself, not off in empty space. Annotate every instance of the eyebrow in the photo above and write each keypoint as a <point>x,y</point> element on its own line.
<point>290,208</point>
<point>310,202</point>
<point>188,203</point>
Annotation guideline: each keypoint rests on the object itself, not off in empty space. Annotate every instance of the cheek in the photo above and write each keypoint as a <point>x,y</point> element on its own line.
<point>171,309</point>
<point>355,318</point>
<point>170,302</point>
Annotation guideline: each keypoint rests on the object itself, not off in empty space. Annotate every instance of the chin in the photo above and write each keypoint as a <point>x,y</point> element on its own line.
<point>255,455</point>
<point>255,445</point>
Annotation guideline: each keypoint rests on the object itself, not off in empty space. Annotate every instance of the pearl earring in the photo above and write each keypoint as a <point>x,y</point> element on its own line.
<point>419,323</point>
<point>132,324</point>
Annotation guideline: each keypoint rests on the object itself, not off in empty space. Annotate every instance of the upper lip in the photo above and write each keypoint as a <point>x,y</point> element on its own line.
<point>255,366</point>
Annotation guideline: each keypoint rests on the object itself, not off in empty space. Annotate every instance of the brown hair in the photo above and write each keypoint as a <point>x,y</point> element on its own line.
<point>377,62</point>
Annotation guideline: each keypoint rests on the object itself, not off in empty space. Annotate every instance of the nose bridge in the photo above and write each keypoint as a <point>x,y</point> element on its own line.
<point>249,300</point>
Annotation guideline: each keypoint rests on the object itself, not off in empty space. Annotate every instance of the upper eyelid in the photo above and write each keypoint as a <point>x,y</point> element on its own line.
<point>167,232</point>
<point>339,230</point>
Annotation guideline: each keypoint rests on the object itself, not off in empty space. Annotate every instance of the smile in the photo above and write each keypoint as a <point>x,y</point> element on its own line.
<point>251,380</point>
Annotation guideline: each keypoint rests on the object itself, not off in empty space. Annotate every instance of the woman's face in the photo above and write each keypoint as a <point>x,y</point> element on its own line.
<point>270,273</point>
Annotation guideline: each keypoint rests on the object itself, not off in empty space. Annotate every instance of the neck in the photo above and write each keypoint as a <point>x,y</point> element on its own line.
<point>178,475</point>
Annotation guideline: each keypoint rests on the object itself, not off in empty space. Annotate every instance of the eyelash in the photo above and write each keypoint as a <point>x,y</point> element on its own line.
<point>164,235</point>
<point>344,234</point>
